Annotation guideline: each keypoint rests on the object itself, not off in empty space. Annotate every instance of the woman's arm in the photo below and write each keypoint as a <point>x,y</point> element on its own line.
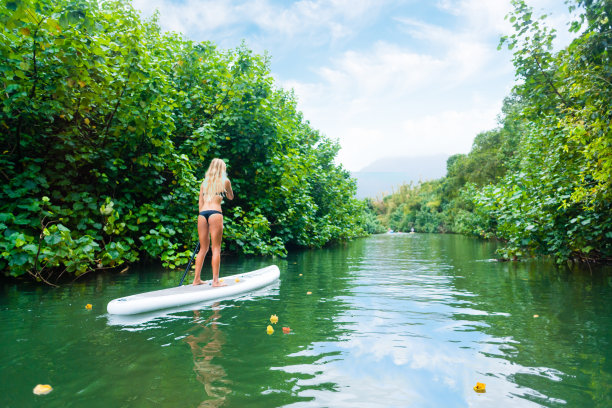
<point>229,193</point>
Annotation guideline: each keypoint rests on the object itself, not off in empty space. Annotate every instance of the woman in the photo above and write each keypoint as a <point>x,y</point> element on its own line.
<point>215,186</point>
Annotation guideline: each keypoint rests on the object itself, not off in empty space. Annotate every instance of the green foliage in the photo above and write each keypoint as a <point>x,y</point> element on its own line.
<point>108,125</point>
<point>541,181</point>
<point>371,223</point>
<point>558,200</point>
<point>417,207</point>
<point>250,234</point>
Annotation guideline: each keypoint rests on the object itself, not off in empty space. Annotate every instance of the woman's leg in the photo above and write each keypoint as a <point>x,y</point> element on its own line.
<point>215,223</point>
<point>204,243</point>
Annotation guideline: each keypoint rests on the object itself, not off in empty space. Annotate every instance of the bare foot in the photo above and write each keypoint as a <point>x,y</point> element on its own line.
<point>198,282</point>
<point>218,284</point>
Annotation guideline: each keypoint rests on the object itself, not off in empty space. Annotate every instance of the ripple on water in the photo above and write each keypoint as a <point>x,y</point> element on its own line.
<point>392,321</point>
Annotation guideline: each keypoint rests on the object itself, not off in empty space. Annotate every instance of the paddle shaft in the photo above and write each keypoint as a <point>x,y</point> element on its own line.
<point>195,251</point>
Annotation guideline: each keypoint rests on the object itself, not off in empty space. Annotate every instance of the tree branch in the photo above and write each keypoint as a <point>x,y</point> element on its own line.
<point>549,81</point>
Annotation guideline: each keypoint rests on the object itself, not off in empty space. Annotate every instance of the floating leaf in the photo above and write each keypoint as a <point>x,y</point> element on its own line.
<point>480,387</point>
<point>42,389</point>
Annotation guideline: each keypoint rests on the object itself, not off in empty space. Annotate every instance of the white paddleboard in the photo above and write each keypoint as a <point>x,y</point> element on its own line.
<point>189,294</point>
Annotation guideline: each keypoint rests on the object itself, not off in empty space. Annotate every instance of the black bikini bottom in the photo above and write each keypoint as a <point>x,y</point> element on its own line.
<point>208,213</point>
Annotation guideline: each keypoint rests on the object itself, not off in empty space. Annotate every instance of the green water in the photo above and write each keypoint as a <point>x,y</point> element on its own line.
<point>394,320</point>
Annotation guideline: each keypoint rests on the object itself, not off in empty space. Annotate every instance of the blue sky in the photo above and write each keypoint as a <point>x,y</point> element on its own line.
<point>385,78</point>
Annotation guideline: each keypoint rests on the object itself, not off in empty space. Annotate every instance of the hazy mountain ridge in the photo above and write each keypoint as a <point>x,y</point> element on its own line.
<point>385,175</point>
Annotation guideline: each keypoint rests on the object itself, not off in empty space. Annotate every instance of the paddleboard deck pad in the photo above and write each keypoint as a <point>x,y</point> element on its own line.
<point>188,294</point>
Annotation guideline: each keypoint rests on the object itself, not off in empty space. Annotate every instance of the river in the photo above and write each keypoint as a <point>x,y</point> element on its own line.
<point>394,320</point>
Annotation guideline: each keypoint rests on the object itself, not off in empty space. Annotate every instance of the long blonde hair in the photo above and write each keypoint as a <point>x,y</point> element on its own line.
<point>214,182</point>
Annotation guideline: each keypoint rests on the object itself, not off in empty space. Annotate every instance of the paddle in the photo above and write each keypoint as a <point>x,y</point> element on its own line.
<point>195,251</point>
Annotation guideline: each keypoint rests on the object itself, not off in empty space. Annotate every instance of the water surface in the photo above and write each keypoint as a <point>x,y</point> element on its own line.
<point>396,320</point>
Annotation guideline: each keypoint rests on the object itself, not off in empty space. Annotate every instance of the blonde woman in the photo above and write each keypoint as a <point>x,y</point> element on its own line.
<point>215,186</point>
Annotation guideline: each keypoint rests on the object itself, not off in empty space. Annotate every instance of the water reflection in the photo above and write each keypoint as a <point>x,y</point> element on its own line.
<point>206,343</point>
<point>548,341</point>
<point>393,321</point>
<point>426,317</point>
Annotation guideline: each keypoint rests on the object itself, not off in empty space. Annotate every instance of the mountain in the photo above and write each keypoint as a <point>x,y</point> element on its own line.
<point>385,175</point>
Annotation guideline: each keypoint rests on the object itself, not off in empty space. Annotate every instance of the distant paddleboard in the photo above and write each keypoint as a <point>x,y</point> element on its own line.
<point>189,294</point>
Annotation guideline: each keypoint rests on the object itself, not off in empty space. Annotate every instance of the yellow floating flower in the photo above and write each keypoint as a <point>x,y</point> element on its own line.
<point>237,279</point>
<point>309,293</point>
<point>42,389</point>
<point>480,387</point>
<point>274,319</point>
<point>270,330</point>
<point>536,316</point>
<point>88,306</point>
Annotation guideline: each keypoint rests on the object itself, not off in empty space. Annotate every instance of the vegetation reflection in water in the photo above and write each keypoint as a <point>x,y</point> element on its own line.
<point>393,320</point>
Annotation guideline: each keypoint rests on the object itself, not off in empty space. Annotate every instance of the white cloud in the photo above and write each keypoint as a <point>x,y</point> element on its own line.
<point>389,100</point>
<point>386,68</point>
<point>422,88</point>
<point>392,100</point>
<point>190,15</point>
<point>448,131</point>
<point>305,19</point>
<point>484,17</point>
<point>359,79</point>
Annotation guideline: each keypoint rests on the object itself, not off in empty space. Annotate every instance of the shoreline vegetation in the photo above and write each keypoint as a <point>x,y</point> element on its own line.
<point>541,182</point>
<point>108,126</point>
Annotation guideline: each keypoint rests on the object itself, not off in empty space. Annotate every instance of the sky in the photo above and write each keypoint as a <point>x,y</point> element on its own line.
<point>386,78</point>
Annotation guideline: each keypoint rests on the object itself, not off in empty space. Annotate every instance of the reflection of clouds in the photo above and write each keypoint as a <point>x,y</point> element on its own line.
<point>405,350</point>
<point>354,385</point>
<point>411,338</point>
<point>399,370</point>
<point>453,356</point>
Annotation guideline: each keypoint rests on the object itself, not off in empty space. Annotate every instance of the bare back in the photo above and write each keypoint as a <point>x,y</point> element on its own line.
<point>215,202</point>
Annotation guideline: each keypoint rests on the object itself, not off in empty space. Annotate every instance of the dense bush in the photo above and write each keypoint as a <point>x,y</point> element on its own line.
<point>558,200</point>
<point>108,126</point>
<point>541,181</point>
